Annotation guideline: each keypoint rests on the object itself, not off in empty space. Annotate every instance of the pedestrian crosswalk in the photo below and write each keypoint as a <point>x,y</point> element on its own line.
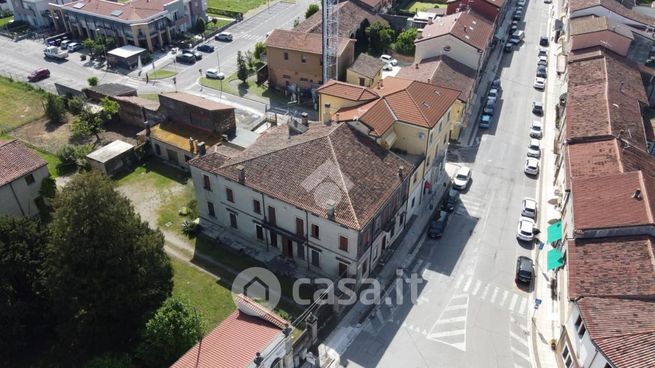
<point>450,328</point>
<point>471,206</point>
<point>519,344</point>
<point>502,298</point>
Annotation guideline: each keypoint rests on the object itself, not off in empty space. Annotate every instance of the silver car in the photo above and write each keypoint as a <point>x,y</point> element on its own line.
<point>534,148</point>
<point>531,166</point>
<point>529,208</point>
<point>525,229</point>
<point>536,129</point>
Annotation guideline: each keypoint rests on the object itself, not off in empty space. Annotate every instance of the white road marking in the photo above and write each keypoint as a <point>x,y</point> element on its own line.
<point>454,307</point>
<point>520,353</point>
<point>459,282</point>
<point>518,338</point>
<point>447,333</point>
<point>453,337</point>
<point>504,298</point>
<point>417,265</point>
<point>450,320</point>
<point>477,287</point>
<point>493,296</point>
<point>524,303</point>
<point>515,298</point>
<point>468,284</point>
<point>484,292</point>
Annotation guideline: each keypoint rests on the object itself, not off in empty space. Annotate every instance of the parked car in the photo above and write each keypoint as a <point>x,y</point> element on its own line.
<point>524,270</point>
<point>517,37</point>
<point>518,15</point>
<point>542,72</point>
<point>539,83</point>
<point>490,106</point>
<point>529,208</point>
<point>462,178</point>
<point>214,74</point>
<point>224,36</point>
<point>521,3</point>
<point>453,198</point>
<point>536,129</point>
<point>438,226</point>
<point>387,67</point>
<point>543,41</point>
<point>531,166</point>
<point>38,74</point>
<point>525,230</point>
<point>485,121</point>
<point>186,58</point>
<point>493,93</point>
<point>197,55</point>
<point>542,52</point>
<point>74,46</point>
<point>389,59</point>
<point>509,47</point>
<point>543,60</point>
<point>206,48</point>
<point>538,108</point>
<point>495,85</point>
<point>534,148</point>
<point>64,44</point>
<point>513,28</point>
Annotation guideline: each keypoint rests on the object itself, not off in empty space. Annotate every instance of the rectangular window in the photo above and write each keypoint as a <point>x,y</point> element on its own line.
<point>157,150</point>
<point>300,227</point>
<point>578,322</point>
<point>229,194</point>
<point>273,238</point>
<point>210,208</point>
<point>343,269</point>
<point>260,232</point>
<point>271,215</point>
<point>286,56</point>
<point>343,243</point>
<point>206,184</point>
<point>256,206</point>
<point>413,200</point>
<point>582,331</point>
<point>29,179</point>
<point>315,259</point>
<point>303,59</point>
<point>315,231</point>
<point>233,220</point>
<point>362,81</point>
<point>300,251</point>
<point>445,138</point>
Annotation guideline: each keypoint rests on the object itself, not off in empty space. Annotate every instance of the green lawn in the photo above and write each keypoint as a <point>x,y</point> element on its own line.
<point>21,104</point>
<point>212,300</point>
<point>235,5</point>
<point>420,6</point>
<point>250,87</point>
<point>220,22</point>
<point>4,21</point>
<point>154,174</point>
<point>169,212</point>
<point>161,74</point>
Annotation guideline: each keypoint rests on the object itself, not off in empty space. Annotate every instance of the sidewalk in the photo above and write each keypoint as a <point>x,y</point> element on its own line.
<point>545,324</point>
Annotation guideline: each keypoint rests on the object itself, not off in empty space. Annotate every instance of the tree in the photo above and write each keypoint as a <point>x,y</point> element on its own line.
<point>89,123</point>
<point>405,42</point>
<point>55,109</point>
<point>93,81</point>
<point>110,360</point>
<point>200,25</point>
<point>106,270</point>
<point>173,330</point>
<point>23,305</point>
<point>242,67</point>
<point>89,44</point>
<point>380,36</point>
<point>311,10</point>
<point>75,104</point>
<point>361,45</point>
<point>251,62</point>
<point>260,49</point>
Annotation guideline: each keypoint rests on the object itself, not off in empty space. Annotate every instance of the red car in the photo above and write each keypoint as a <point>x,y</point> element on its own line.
<point>38,74</point>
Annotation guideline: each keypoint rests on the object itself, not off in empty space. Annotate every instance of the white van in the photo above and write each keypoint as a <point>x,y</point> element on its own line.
<point>517,37</point>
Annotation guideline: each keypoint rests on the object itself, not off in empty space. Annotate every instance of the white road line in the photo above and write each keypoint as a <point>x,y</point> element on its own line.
<point>468,284</point>
<point>524,303</point>
<point>447,333</point>
<point>493,296</point>
<point>459,282</point>
<point>504,298</point>
<point>520,353</point>
<point>518,338</point>
<point>484,292</point>
<point>477,287</point>
<point>417,265</point>
<point>450,320</point>
<point>455,307</point>
<point>515,298</point>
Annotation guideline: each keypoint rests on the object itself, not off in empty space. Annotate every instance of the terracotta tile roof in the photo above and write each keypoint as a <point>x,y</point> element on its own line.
<point>372,3</point>
<point>350,16</point>
<point>16,161</point>
<point>216,156</point>
<point>468,26</point>
<point>611,267</point>
<point>347,91</point>
<point>135,10</point>
<point>363,174</point>
<point>301,41</point>
<point>614,7</point>
<point>592,24</point>
<point>603,98</point>
<point>442,71</point>
<point>202,102</point>
<point>178,134</point>
<point>496,3</point>
<point>367,65</point>
<point>623,329</point>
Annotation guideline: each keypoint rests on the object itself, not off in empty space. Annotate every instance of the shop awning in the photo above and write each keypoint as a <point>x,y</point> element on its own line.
<point>555,259</point>
<point>554,232</point>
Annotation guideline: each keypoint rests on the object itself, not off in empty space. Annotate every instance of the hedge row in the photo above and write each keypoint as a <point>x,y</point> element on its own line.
<point>227,13</point>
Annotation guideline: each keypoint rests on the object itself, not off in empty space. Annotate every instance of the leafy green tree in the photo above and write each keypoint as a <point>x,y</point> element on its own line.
<point>75,104</point>
<point>55,109</point>
<point>110,360</point>
<point>89,44</point>
<point>251,62</point>
<point>380,37</point>
<point>311,10</point>
<point>23,304</point>
<point>260,49</point>
<point>405,42</point>
<point>106,270</point>
<point>242,67</point>
<point>87,123</point>
<point>173,330</point>
<point>361,45</point>
<point>93,81</point>
<point>200,25</point>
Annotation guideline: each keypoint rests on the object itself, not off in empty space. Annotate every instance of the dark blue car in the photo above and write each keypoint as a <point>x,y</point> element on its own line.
<point>205,48</point>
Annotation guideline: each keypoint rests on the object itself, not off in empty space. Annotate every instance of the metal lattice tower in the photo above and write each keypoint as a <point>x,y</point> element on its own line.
<point>330,39</point>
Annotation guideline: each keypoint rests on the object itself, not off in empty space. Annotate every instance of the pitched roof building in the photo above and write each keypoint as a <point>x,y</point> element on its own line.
<point>613,9</point>
<point>21,173</point>
<point>592,31</point>
<point>350,14</point>
<point>365,71</point>
<point>444,72</point>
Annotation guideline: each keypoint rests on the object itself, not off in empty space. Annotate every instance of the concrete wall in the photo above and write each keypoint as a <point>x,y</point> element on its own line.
<point>220,121</point>
<point>179,156</point>
<point>17,198</point>
<point>353,77</point>
<point>459,51</point>
<point>336,103</point>
<point>607,39</point>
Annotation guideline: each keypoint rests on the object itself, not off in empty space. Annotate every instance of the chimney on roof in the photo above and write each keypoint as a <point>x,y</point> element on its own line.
<point>191,145</point>
<point>258,359</point>
<point>305,119</point>
<point>202,149</point>
<point>327,115</point>
<point>331,205</point>
<point>400,172</point>
<point>637,194</point>
<point>147,124</point>
<point>242,174</point>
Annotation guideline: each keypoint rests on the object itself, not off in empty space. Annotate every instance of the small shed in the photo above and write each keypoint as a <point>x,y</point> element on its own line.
<point>113,157</point>
<point>125,56</point>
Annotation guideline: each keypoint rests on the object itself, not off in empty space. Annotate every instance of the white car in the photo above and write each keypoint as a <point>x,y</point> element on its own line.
<point>529,208</point>
<point>540,83</point>
<point>388,59</point>
<point>536,129</point>
<point>521,3</point>
<point>214,74</point>
<point>224,36</point>
<point>387,67</point>
<point>525,229</point>
<point>534,148</point>
<point>531,166</point>
<point>462,178</point>
<point>543,60</point>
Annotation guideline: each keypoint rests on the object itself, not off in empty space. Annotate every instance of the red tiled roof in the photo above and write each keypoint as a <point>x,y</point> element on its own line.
<point>350,16</point>
<point>623,329</point>
<point>16,161</point>
<point>364,174</point>
<point>614,7</point>
<point>496,3</point>
<point>611,267</point>
<point>590,24</point>
<point>367,65</point>
<point>468,26</point>
<point>347,91</point>
<point>135,10</point>
<point>442,71</point>
<point>603,98</point>
<point>301,41</point>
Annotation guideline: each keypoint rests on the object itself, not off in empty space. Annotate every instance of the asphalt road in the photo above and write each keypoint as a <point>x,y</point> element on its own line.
<point>470,312</point>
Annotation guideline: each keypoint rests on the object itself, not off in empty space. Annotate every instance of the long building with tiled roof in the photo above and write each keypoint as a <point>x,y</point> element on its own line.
<point>21,172</point>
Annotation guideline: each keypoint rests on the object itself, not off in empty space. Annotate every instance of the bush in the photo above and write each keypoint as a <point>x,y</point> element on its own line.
<point>55,109</point>
<point>189,228</point>
<point>200,25</point>
<point>311,10</point>
<point>405,42</point>
<point>110,360</point>
<point>260,49</point>
<point>227,13</point>
<point>76,104</point>
<point>93,81</point>
<point>74,155</point>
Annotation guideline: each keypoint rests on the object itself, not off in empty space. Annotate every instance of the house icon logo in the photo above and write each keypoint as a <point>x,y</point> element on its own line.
<point>258,284</point>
